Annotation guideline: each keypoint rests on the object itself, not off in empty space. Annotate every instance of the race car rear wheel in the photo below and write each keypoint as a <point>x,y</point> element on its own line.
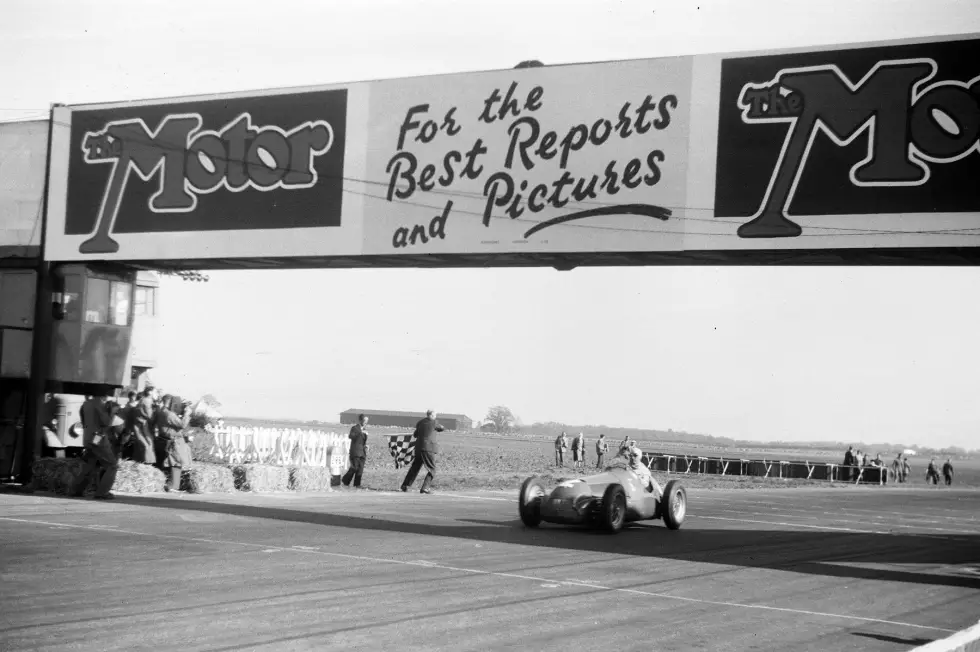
<point>674,504</point>
<point>529,501</point>
<point>612,511</point>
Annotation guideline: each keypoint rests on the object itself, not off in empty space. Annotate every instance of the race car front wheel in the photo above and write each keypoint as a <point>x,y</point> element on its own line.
<point>612,512</point>
<point>529,501</point>
<point>674,505</point>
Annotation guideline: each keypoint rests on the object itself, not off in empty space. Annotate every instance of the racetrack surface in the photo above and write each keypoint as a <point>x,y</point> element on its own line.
<point>861,568</point>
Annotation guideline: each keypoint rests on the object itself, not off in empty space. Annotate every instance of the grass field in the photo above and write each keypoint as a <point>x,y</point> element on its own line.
<point>479,460</point>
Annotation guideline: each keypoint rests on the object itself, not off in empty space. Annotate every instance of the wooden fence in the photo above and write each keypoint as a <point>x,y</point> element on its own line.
<point>803,470</point>
<point>280,446</point>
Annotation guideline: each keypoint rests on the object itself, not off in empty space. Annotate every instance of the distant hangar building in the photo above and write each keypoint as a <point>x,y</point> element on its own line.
<point>406,419</point>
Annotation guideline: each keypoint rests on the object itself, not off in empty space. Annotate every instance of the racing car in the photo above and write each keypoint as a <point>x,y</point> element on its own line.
<point>608,500</point>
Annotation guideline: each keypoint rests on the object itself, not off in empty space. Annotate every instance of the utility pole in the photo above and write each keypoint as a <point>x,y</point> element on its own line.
<point>32,434</point>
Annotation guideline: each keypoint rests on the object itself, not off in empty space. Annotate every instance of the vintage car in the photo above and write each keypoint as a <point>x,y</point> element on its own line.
<point>609,500</point>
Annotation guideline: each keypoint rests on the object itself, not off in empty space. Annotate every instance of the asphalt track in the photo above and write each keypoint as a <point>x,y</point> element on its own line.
<point>863,568</point>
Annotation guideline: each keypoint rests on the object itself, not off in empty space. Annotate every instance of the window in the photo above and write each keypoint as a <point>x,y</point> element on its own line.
<point>97,301</point>
<point>107,302</point>
<point>146,299</point>
<point>70,298</point>
<point>122,295</point>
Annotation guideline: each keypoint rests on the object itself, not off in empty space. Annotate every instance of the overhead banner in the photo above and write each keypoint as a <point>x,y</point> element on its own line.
<point>23,149</point>
<point>850,147</point>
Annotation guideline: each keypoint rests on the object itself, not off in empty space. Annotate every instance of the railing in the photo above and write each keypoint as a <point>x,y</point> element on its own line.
<point>735,466</point>
<point>280,446</point>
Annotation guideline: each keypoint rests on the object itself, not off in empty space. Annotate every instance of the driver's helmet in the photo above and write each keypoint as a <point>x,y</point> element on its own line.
<point>634,454</point>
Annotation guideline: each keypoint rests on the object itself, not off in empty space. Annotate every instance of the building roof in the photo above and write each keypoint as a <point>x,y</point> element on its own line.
<point>396,413</point>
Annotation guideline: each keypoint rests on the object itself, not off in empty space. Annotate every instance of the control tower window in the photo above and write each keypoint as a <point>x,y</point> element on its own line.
<point>146,301</point>
<point>108,302</point>
<point>121,296</point>
<point>97,301</point>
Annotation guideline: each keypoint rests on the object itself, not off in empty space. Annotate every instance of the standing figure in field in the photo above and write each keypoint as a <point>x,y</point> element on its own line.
<point>171,446</point>
<point>849,462</point>
<point>426,450</point>
<point>897,468</point>
<point>932,472</point>
<point>948,472</point>
<point>601,448</point>
<point>358,452</point>
<point>561,445</point>
<point>906,469</point>
<point>578,451</point>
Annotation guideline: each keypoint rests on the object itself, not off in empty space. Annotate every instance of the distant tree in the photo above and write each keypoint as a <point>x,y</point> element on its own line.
<point>210,401</point>
<point>502,418</point>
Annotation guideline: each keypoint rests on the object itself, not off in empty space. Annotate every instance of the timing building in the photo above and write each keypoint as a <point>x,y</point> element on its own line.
<point>406,419</point>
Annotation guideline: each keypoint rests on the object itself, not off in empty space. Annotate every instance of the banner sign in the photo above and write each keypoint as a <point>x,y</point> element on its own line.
<point>23,150</point>
<point>850,147</point>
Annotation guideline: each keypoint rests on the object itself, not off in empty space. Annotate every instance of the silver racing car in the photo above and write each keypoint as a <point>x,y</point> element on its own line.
<point>609,500</point>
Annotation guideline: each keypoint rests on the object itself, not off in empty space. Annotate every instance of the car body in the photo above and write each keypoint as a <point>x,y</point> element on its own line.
<point>609,500</point>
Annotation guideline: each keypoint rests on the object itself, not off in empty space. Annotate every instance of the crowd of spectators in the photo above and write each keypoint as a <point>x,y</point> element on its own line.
<point>899,471</point>
<point>148,428</point>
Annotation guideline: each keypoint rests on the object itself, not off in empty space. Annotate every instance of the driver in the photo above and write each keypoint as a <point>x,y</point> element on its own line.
<point>635,457</point>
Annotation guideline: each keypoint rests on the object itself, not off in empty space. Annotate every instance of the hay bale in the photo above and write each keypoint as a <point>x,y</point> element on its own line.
<point>207,478</point>
<point>310,478</point>
<point>60,475</point>
<point>138,478</point>
<point>260,477</point>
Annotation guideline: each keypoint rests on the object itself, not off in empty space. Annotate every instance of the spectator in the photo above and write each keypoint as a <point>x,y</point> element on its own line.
<point>171,446</point>
<point>144,420</point>
<point>848,462</point>
<point>98,456</point>
<point>948,472</point>
<point>932,473</point>
<point>578,451</point>
<point>358,452</point>
<point>426,450</point>
<point>897,468</point>
<point>117,428</point>
<point>906,469</point>
<point>601,448</point>
<point>128,414</point>
<point>561,445</point>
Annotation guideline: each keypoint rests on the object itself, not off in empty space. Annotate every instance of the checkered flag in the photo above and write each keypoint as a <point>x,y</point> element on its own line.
<point>402,449</point>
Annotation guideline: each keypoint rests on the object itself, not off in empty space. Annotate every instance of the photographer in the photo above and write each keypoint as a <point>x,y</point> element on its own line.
<point>171,446</point>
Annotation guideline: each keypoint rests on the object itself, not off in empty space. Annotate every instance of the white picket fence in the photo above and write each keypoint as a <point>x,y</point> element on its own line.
<point>282,447</point>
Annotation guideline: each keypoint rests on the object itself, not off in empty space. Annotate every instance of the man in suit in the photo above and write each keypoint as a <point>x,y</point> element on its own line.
<point>99,457</point>
<point>426,449</point>
<point>358,452</point>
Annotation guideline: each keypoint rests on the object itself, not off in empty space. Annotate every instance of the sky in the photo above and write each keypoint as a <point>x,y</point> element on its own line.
<point>841,354</point>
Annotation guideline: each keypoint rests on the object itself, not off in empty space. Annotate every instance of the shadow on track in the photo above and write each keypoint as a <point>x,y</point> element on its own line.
<point>895,639</point>
<point>847,555</point>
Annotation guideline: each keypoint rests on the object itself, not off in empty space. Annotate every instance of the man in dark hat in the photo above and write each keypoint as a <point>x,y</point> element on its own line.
<point>98,420</point>
<point>426,450</point>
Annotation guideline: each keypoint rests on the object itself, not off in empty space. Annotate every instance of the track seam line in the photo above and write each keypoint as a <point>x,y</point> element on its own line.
<point>474,571</point>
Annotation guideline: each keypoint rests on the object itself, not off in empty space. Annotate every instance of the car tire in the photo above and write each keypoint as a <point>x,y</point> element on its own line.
<point>612,511</point>
<point>529,501</point>
<point>674,507</point>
